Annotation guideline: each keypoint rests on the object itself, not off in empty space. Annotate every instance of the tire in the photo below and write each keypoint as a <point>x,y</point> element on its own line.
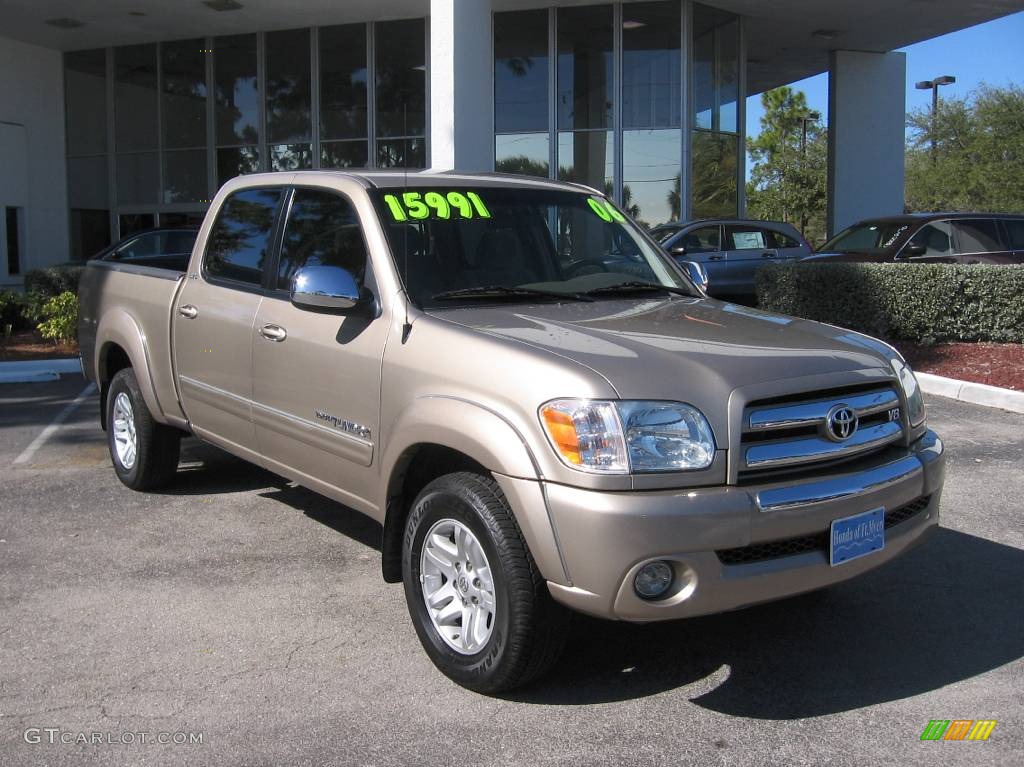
<point>154,460</point>
<point>524,634</point>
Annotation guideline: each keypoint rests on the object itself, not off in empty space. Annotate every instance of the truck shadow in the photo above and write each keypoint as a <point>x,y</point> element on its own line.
<point>947,611</point>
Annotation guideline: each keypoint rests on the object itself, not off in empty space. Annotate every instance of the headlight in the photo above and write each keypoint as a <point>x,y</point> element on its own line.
<point>622,436</point>
<point>912,390</point>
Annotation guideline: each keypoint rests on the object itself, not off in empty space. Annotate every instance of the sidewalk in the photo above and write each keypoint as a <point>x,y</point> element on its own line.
<point>31,371</point>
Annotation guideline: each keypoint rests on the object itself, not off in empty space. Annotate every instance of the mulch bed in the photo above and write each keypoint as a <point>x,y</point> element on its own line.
<point>29,345</point>
<point>994,364</point>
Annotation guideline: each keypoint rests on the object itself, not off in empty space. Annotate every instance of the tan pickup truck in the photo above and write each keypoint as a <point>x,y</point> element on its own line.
<point>541,408</point>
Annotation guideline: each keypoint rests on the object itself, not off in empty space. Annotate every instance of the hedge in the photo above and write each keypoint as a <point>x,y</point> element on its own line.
<point>51,281</point>
<point>924,303</point>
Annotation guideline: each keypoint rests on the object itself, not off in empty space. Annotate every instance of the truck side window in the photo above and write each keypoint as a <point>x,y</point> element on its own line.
<point>322,229</point>
<point>240,237</point>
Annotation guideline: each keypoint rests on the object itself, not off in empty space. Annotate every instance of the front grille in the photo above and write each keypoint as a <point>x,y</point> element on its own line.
<point>790,434</point>
<point>762,552</point>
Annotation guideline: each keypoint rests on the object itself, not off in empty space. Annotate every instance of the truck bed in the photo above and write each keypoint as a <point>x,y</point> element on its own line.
<point>133,304</point>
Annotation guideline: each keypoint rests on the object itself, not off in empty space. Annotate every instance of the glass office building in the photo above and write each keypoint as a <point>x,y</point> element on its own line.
<point>642,100</point>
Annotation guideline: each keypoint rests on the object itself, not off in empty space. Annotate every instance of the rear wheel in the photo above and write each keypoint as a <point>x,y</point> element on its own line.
<point>144,452</point>
<point>478,603</point>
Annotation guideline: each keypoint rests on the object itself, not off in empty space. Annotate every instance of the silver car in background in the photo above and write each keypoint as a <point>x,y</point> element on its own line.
<point>731,250</point>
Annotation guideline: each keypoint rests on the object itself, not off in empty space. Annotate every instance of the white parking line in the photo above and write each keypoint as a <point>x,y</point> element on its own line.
<point>49,431</point>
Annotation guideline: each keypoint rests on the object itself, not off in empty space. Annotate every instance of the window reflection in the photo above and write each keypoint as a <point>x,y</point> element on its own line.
<point>585,67</point>
<point>137,178</point>
<point>401,78</point>
<point>651,65</point>
<point>290,157</point>
<point>523,153</point>
<point>236,89</point>
<point>650,175</point>
<point>183,93</point>
<point>236,161</point>
<point>344,154</point>
<point>714,175</point>
<point>85,87</point>
<point>521,71</point>
<point>587,157</point>
<point>135,98</point>
<point>185,176</point>
<point>343,82</point>
<point>402,153</point>
<point>288,86</point>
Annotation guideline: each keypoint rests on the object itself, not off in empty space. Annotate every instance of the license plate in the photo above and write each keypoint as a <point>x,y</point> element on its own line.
<point>856,536</point>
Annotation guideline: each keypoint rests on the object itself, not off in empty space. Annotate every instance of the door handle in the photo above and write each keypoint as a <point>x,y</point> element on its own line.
<point>273,332</point>
<point>188,311</point>
<point>715,258</point>
<point>767,255</point>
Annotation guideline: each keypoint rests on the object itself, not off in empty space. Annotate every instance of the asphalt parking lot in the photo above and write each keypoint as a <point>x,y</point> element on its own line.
<point>248,610</point>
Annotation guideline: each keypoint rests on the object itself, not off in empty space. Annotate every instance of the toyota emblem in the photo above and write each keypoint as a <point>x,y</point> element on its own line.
<point>841,423</point>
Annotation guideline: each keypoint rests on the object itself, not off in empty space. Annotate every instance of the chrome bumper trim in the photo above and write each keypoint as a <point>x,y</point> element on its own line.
<point>810,493</point>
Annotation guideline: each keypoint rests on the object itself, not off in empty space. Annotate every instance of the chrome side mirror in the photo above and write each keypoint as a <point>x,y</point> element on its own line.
<point>697,273</point>
<point>325,287</point>
<point>678,250</point>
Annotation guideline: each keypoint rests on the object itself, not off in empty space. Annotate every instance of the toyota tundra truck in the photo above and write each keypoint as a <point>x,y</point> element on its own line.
<point>541,408</point>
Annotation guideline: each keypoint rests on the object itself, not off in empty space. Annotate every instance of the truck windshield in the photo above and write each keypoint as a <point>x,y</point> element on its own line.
<point>461,245</point>
<point>867,237</point>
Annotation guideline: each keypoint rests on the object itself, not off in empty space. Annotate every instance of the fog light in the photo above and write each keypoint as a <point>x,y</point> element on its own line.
<point>653,580</point>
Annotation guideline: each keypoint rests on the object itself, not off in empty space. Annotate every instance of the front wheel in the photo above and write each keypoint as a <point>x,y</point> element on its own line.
<point>144,452</point>
<point>479,605</point>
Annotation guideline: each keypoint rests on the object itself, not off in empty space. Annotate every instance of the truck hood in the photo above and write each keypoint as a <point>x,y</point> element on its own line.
<point>692,349</point>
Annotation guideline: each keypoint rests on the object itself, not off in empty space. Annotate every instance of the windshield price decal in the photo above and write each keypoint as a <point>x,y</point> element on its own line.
<point>605,210</point>
<point>419,206</point>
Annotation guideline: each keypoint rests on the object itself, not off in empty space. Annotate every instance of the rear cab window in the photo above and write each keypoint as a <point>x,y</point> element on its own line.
<point>1014,228</point>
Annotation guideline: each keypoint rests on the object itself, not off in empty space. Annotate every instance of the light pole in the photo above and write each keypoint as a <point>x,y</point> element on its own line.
<point>810,117</point>
<point>924,85</point>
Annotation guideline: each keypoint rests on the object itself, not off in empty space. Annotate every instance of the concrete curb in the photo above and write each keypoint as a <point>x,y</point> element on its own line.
<point>975,393</point>
<point>33,371</point>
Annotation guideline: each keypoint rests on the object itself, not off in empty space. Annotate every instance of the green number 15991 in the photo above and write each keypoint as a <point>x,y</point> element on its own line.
<point>419,206</point>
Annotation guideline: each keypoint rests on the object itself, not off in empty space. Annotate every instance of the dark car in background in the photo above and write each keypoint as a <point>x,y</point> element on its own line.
<point>948,238</point>
<point>168,248</point>
<point>731,250</point>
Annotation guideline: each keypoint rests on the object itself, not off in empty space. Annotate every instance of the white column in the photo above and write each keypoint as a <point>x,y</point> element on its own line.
<point>461,85</point>
<point>866,123</point>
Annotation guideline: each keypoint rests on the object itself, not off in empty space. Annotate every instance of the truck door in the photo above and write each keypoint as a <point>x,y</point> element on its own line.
<point>212,320</point>
<point>316,375</point>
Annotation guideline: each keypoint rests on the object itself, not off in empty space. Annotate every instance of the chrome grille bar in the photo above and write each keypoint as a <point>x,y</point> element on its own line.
<point>765,455</point>
<point>799,414</point>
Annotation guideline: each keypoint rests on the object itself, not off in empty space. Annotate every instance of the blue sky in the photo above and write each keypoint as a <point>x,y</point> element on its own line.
<point>991,53</point>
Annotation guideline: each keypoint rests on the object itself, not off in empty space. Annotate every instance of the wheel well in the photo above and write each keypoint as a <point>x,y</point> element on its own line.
<point>112,359</point>
<point>417,467</point>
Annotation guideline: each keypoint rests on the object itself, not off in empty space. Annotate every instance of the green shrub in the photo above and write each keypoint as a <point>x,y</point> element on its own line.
<point>51,281</point>
<point>924,303</point>
<point>12,310</point>
<point>61,315</point>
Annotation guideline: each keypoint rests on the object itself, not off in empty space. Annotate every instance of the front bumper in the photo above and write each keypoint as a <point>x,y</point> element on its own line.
<point>604,538</point>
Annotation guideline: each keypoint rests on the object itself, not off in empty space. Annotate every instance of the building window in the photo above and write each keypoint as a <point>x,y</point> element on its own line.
<point>236,106</point>
<point>400,82</point>
<point>715,120</point>
<point>85,98</point>
<point>585,95</point>
<point>521,94</point>
<point>651,111</point>
<point>289,100</point>
<point>12,238</point>
<point>135,127</point>
<point>343,97</point>
<point>183,114</point>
